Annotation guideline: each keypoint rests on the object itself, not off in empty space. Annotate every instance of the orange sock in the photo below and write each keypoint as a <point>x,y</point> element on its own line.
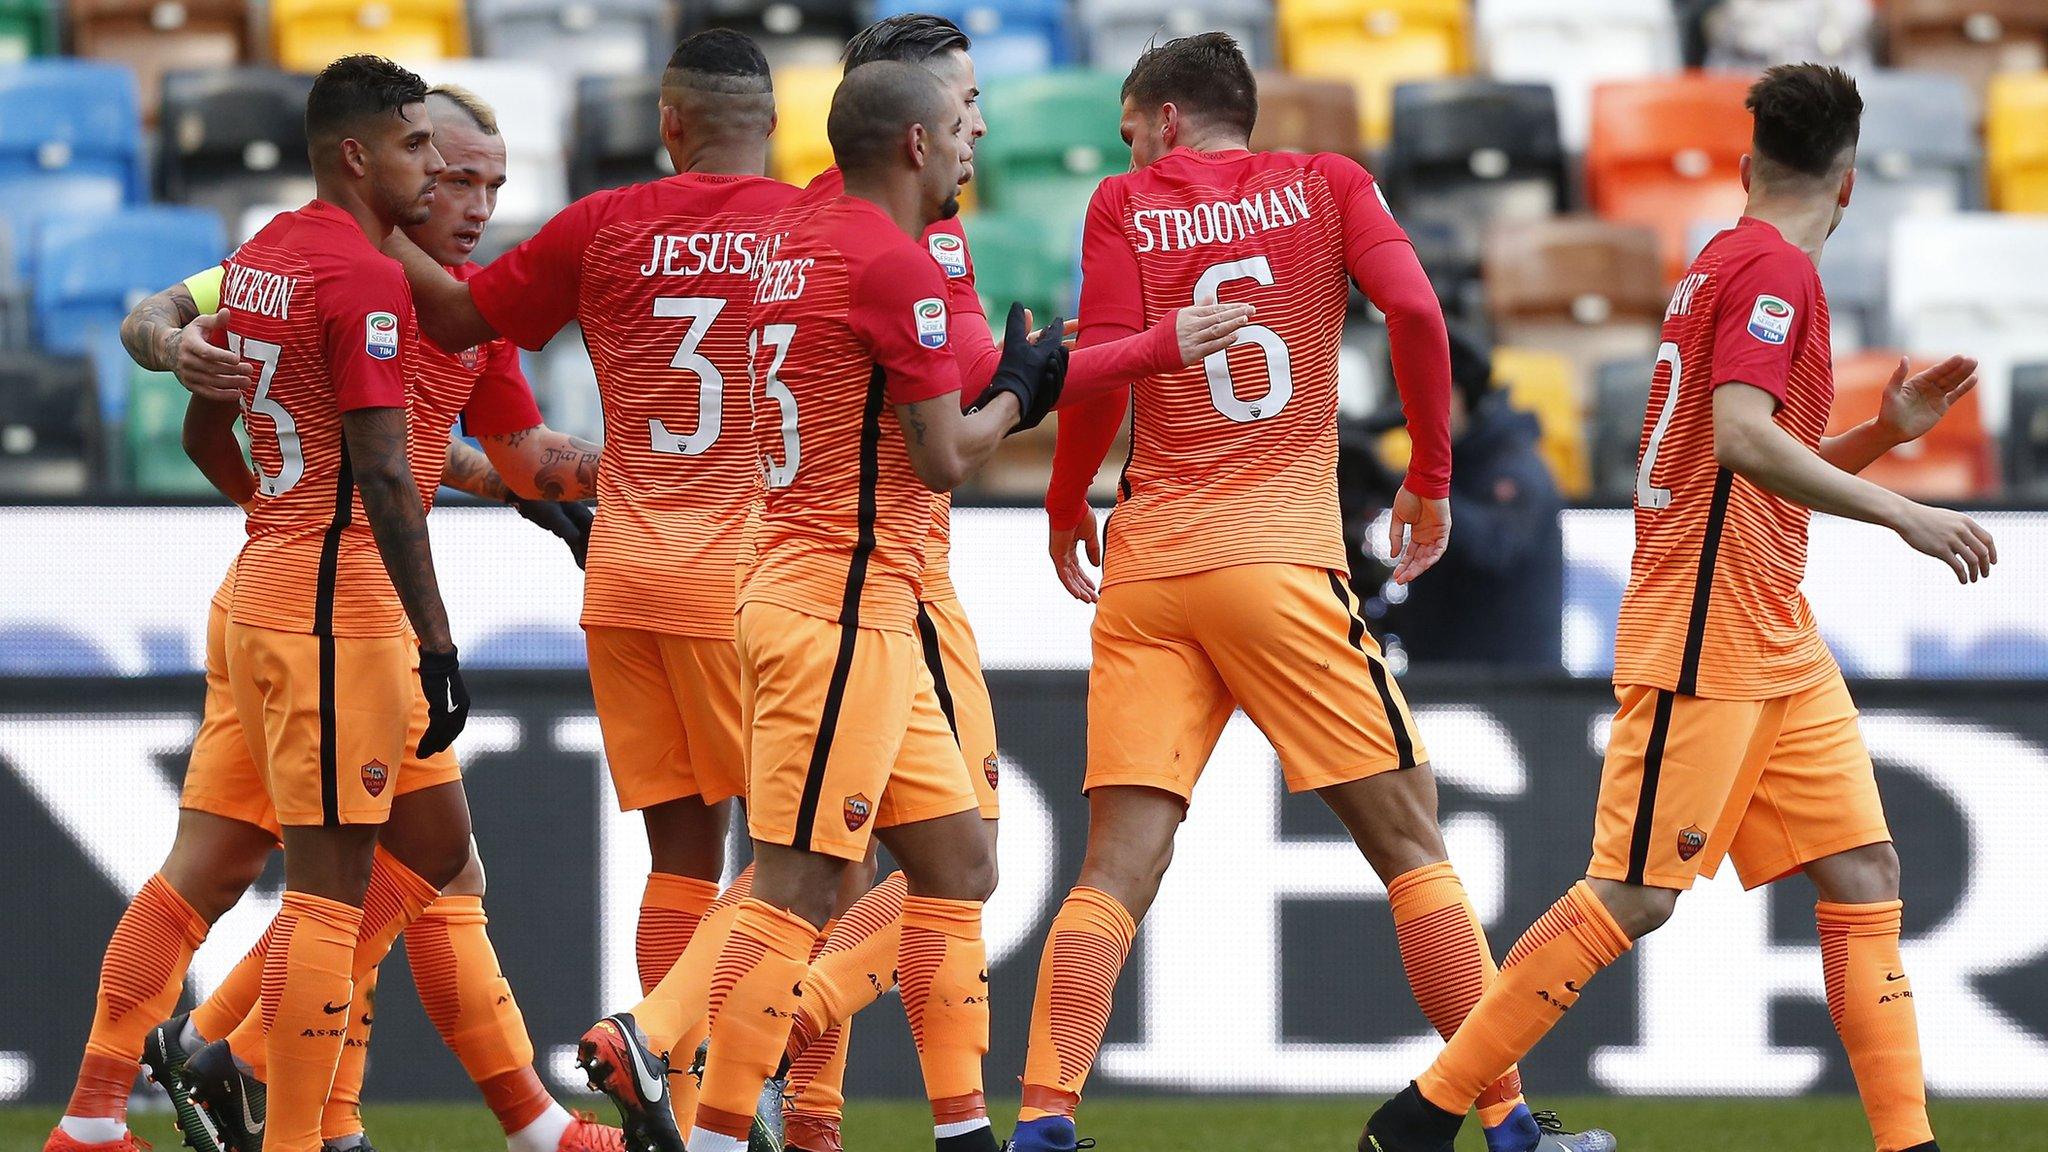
<point>1872,1004</point>
<point>1084,952</point>
<point>943,969</point>
<point>857,966</point>
<point>817,1092</point>
<point>670,908</point>
<point>140,980</point>
<point>1443,948</point>
<point>674,1008</point>
<point>754,993</point>
<point>343,1115</point>
<point>234,996</point>
<point>307,987</point>
<point>1540,982</point>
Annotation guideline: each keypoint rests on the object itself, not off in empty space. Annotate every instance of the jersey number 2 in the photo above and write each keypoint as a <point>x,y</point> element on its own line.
<point>1279,369</point>
<point>701,311</point>
<point>292,459</point>
<point>1649,495</point>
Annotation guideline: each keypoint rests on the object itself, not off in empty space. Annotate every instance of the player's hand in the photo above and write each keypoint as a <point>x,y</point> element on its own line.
<point>447,700</point>
<point>1061,543</point>
<point>1206,329</point>
<point>569,520</point>
<point>1913,405</point>
<point>1418,530</point>
<point>1950,537</point>
<point>1031,370</point>
<point>206,369</point>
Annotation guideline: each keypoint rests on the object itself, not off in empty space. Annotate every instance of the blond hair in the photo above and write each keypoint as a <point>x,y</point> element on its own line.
<point>472,105</point>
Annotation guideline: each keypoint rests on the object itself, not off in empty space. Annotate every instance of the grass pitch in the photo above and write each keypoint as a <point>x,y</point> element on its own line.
<point>1821,1124</point>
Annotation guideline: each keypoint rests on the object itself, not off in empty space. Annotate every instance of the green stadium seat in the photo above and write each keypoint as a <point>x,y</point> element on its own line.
<point>1056,137</point>
<point>154,437</point>
<point>27,28</point>
<point>1016,257</point>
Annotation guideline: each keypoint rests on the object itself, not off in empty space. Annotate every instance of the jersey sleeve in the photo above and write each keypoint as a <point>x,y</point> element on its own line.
<point>1760,316</point>
<point>205,288</point>
<point>967,330</point>
<point>1367,221</point>
<point>899,313</point>
<point>529,293</point>
<point>362,323</point>
<point>1112,292</point>
<point>502,401</point>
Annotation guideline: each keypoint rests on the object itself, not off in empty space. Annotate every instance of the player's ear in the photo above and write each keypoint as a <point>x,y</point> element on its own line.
<point>1745,169</point>
<point>919,145</point>
<point>1169,125</point>
<point>1848,187</point>
<point>672,129</point>
<point>354,160</point>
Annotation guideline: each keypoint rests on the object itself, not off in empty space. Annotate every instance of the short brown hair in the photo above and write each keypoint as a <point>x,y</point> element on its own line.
<point>1205,74</point>
<point>481,114</point>
<point>1807,116</point>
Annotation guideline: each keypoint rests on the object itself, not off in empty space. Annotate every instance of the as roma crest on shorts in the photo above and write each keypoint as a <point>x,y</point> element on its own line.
<point>471,358</point>
<point>375,776</point>
<point>988,769</point>
<point>1690,841</point>
<point>857,810</point>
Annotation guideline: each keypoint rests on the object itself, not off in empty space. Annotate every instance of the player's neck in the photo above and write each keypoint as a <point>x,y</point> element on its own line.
<point>1214,140</point>
<point>1803,221</point>
<point>723,159</point>
<point>343,197</point>
<point>900,200</point>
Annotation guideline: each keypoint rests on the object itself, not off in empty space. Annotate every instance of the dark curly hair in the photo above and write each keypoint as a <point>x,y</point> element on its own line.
<point>1807,117</point>
<point>356,88</point>
<point>1205,74</point>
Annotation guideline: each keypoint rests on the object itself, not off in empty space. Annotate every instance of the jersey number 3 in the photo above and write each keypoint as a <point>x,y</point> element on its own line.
<point>701,311</point>
<point>291,459</point>
<point>1279,369</point>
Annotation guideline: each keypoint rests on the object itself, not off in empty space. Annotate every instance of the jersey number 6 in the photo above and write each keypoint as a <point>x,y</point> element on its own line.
<point>1279,369</point>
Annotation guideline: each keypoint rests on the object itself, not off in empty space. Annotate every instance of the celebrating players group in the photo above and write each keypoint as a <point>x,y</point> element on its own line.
<point>792,380</point>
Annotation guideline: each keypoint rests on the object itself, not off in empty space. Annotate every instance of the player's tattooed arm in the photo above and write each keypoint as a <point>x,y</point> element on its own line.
<point>167,333</point>
<point>468,470</point>
<point>539,463</point>
<point>391,500</point>
<point>150,330</point>
<point>447,313</point>
<point>947,446</point>
<point>209,438</point>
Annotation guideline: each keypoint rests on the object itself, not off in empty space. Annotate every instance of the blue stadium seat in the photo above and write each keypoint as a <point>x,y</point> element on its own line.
<point>70,141</point>
<point>91,269</point>
<point>1011,37</point>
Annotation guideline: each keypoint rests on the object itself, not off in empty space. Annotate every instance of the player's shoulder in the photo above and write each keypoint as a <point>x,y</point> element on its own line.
<point>1755,255</point>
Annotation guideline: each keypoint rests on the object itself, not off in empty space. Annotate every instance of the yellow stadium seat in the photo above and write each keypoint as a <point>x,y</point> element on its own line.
<point>1374,45</point>
<point>2016,141</point>
<point>803,97</point>
<point>1543,384</point>
<point>308,35</point>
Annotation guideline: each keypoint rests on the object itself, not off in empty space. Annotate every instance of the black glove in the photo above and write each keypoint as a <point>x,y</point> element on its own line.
<point>567,519</point>
<point>1031,372</point>
<point>447,700</point>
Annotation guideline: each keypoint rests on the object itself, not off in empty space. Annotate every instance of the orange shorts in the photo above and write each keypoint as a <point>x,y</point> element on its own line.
<point>346,770</point>
<point>1174,656</point>
<point>1775,784</point>
<point>669,707</point>
<point>954,661</point>
<point>843,739</point>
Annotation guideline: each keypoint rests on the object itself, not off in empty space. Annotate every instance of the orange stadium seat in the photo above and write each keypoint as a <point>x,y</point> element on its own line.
<point>2016,141</point>
<point>308,35</point>
<point>158,36</point>
<point>1974,39</point>
<point>803,95</point>
<point>1300,114</point>
<point>1956,461</point>
<point>1375,44</point>
<point>1666,153</point>
<point>1544,385</point>
<point>1584,288</point>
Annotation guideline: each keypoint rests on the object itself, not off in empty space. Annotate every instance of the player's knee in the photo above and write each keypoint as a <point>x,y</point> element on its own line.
<point>214,886</point>
<point>469,881</point>
<point>1638,909</point>
<point>1129,875</point>
<point>1866,875</point>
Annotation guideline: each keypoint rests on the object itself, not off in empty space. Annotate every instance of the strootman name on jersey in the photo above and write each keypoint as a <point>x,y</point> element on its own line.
<point>1220,221</point>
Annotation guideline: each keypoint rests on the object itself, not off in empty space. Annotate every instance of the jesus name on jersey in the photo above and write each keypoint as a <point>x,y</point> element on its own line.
<point>698,253</point>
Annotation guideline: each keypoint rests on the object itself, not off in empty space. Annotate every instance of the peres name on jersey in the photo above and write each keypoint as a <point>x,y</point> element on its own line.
<point>699,253</point>
<point>782,280</point>
<point>1220,221</point>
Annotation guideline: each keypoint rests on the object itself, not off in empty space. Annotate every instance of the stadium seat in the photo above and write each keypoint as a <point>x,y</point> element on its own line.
<point>1017,258</point>
<point>49,425</point>
<point>587,37</point>
<point>1957,460</point>
<point>308,35</point>
<point>1666,153</point>
<point>618,137</point>
<point>91,269</point>
<point>1375,44</point>
<point>1057,138</point>
<point>1581,287</point>
<point>70,141</point>
<point>154,441</point>
<point>1467,154</point>
<point>2026,434</point>
<point>2016,141</point>
<point>1971,283</point>
<point>232,138</point>
<point>532,103</point>
<point>27,28</point>
<point>155,37</point>
<point>791,33</point>
<point>1011,37</point>
<point>1302,115</point>
<point>1544,385</point>
<point>1575,46</point>
<point>1116,31</point>
<point>1971,39</point>
<point>803,96</point>
<point>1750,35</point>
<point>1621,395</point>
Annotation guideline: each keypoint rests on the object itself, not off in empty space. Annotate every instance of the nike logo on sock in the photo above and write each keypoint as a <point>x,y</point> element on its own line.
<point>1889,977</point>
<point>331,1009</point>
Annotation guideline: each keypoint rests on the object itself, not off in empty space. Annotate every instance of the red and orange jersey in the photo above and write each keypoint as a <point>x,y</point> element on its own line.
<point>850,320</point>
<point>1234,460</point>
<point>661,278</point>
<point>327,322</point>
<point>485,386</point>
<point>1713,606</point>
